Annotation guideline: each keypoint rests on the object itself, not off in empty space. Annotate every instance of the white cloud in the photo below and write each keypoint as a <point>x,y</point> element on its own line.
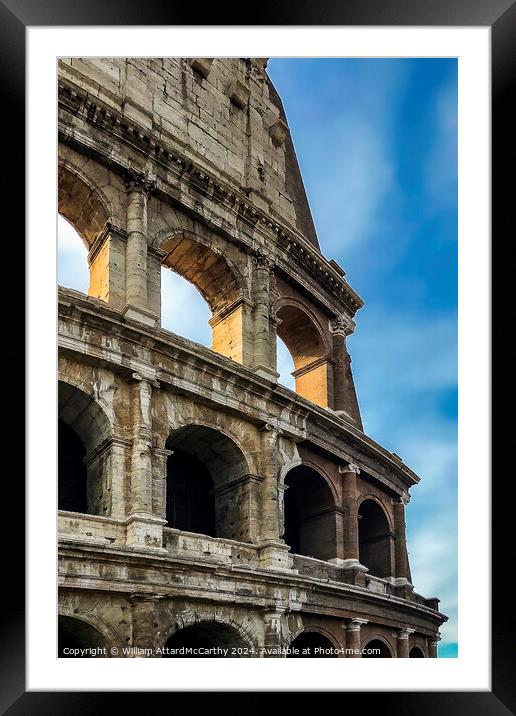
<point>358,175</point>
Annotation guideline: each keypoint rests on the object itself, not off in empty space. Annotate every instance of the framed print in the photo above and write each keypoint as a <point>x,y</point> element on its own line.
<point>227,230</point>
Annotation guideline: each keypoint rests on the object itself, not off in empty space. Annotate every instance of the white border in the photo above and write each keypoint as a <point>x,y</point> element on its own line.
<point>472,669</point>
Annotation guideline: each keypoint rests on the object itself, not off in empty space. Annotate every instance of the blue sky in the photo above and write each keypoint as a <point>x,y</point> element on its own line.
<point>376,141</point>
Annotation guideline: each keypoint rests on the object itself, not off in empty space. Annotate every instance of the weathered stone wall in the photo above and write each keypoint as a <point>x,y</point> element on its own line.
<point>188,165</point>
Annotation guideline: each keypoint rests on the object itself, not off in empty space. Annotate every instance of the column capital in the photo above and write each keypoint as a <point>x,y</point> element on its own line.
<point>435,639</point>
<point>138,378</point>
<point>342,326</point>
<point>139,181</point>
<point>349,468</point>
<point>356,624</point>
<point>261,261</point>
<point>404,633</point>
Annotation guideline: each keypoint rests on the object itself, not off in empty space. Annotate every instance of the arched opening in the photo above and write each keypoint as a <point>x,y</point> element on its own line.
<point>84,208</point>
<point>284,365</point>
<point>78,639</point>
<point>207,489</point>
<point>215,280</point>
<point>72,257</point>
<point>84,476</point>
<point>376,649</point>
<point>311,644</point>
<point>206,640</point>
<point>184,311</point>
<point>374,539</point>
<point>303,339</point>
<point>416,653</point>
<point>310,517</point>
<point>72,475</point>
<point>81,205</point>
<point>190,499</point>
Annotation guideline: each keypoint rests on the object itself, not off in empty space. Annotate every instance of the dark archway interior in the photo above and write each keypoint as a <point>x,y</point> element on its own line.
<point>374,539</point>
<point>82,428</point>
<point>311,644</point>
<point>190,500</point>
<point>310,527</point>
<point>416,653</point>
<point>205,636</point>
<point>203,490</point>
<point>72,475</point>
<point>381,649</point>
<point>77,634</point>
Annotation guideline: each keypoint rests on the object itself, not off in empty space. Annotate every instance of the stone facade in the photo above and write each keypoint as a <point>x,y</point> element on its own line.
<point>201,503</point>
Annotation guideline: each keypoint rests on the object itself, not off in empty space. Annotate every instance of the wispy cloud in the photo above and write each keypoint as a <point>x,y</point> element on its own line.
<point>441,161</point>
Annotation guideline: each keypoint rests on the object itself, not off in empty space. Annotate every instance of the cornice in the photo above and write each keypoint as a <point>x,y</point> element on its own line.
<point>314,585</point>
<point>90,109</point>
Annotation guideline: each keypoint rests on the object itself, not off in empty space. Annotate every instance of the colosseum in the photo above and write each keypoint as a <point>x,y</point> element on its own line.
<point>205,509</point>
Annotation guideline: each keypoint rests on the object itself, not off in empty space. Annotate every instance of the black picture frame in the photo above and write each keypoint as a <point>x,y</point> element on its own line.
<point>15,16</point>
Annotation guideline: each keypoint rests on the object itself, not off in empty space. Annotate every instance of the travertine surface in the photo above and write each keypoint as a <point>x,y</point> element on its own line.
<point>189,164</point>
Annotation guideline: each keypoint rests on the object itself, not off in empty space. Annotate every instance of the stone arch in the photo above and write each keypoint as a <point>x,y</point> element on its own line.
<point>375,537</point>
<point>319,629</point>
<point>88,209</point>
<point>84,433</point>
<point>209,486</point>
<point>203,263</point>
<point>313,638</point>
<point>213,630</point>
<point>416,652</point>
<point>83,626</point>
<point>374,497</point>
<point>82,203</point>
<point>301,332</point>
<point>378,641</point>
<point>310,502</point>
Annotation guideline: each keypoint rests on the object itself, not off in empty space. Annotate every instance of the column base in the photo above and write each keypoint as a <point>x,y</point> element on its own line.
<point>135,313</point>
<point>349,564</point>
<point>145,531</point>
<point>274,554</point>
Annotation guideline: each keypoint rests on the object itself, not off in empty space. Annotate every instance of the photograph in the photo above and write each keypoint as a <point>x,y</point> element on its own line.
<point>257,357</point>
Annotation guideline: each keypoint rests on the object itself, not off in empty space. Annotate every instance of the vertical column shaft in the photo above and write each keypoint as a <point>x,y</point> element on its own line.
<point>138,189</point>
<point>141,464</point>
<point>403,643</point>
<point>353,637</point>
<point>401,566</point>
<point>349,504</point>
<point>261,315</point>
<point>432,646</point>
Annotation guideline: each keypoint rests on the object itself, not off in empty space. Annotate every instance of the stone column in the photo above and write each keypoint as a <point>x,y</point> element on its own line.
<point>159,458</point>
<point>433,643</point>
<point>350,522</point>
<point>138,189</point>
<point>144,629</point>
<point>144,529</point>
<point>273,550</point>
<point>403,642</point>
<point>262,267</point>
<point>273,633</point>
<point>401,565</point>
<point>353,638</point>
<point>344,394</point>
